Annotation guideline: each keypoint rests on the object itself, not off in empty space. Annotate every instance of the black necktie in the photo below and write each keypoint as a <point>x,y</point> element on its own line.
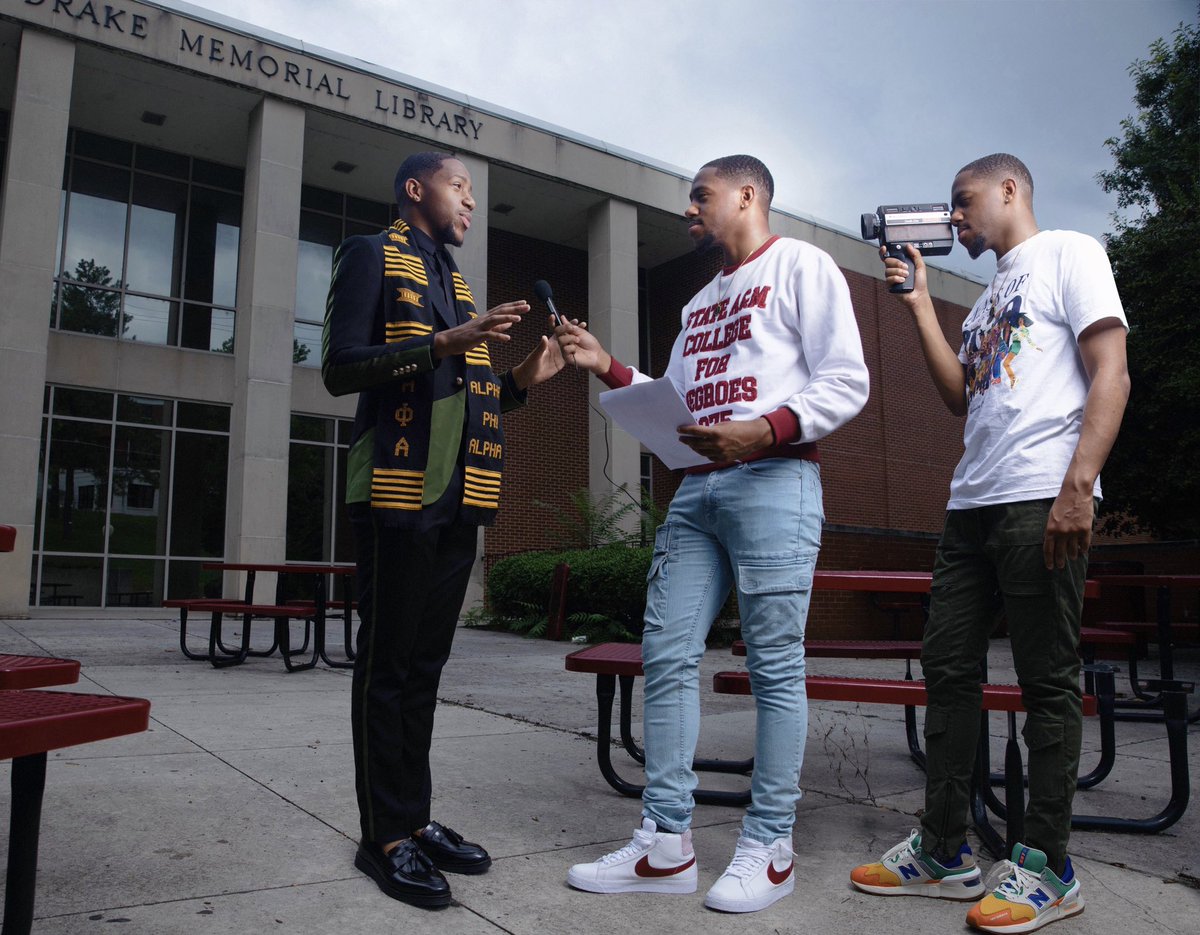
<point>445,282</point>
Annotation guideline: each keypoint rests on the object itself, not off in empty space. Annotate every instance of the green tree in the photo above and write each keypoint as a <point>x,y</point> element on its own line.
<point>1152,479</point>
<point>300,351</point>
<point>89,310</point>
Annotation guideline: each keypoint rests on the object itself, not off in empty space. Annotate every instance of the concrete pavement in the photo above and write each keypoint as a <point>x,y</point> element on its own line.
<point>235,812</point>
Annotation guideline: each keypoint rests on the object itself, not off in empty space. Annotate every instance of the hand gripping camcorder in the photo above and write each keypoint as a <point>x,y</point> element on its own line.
<point>925,226</point>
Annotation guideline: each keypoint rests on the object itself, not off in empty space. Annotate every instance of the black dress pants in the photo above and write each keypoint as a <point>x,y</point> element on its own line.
<point>411,587</point>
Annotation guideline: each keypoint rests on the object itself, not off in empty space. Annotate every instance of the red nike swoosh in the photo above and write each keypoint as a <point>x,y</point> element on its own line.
<point>643,869</point>
<point>778,876</point>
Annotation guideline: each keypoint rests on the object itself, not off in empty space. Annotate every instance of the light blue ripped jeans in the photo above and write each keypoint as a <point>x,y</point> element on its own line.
<point>756,526</point>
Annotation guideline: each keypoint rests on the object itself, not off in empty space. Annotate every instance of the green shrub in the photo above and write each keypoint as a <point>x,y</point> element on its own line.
<point>606,595</point>
<point>606,591</point>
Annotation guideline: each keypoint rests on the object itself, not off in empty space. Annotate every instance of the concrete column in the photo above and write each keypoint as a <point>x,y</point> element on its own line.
<point>613,318</point>
<point>256,512</point>
<point>471,258</point>
<point>37,146</point>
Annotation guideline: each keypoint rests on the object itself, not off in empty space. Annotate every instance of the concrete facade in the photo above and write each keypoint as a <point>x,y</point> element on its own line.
<point>28,231</point>
<point>293,116</point>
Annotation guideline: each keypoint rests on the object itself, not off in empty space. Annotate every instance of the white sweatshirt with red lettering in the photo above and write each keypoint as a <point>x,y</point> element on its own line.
<point>774,337</point>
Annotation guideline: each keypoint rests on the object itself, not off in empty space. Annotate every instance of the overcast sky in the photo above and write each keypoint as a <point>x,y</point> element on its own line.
<point>851,103</point>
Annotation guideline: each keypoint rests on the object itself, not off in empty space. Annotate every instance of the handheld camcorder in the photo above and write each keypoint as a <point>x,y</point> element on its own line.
<point>926,227</point>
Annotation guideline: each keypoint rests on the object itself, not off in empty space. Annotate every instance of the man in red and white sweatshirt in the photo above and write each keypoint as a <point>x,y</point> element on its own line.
<point>769,361</point>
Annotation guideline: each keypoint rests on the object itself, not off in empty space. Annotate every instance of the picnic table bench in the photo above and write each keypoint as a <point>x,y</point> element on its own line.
<point>621,662</point>
<point>1007,698</point>
<point>31,724</point>
<point>36,671</point>
<point>221,656</point>
<point>313,612</point>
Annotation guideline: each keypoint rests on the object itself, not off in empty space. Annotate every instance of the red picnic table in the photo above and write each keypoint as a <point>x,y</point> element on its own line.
<point>220,655</point>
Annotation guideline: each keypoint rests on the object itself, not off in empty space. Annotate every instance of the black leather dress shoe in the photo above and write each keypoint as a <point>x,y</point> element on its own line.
<point>405,874</point>
<point>449,852</point>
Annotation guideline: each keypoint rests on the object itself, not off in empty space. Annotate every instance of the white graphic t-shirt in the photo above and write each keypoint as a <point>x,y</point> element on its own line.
<point>1026,383</point>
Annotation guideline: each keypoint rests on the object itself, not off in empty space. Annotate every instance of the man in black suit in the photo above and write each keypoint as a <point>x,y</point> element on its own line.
<point>423,473</point>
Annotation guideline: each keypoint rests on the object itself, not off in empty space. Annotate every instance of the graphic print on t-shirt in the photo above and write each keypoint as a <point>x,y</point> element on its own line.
<point>992,348</point>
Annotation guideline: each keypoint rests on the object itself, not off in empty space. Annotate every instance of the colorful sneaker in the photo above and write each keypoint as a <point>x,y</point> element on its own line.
<point>653,862</point>
<point>907,871</point>
<point>758,875</point>
<point>1027,896</point>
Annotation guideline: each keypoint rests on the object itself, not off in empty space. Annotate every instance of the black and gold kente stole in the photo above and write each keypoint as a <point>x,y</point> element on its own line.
<point>419,431</point>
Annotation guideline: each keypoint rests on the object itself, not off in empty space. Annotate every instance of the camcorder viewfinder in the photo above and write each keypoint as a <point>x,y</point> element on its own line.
<point>925,226</point>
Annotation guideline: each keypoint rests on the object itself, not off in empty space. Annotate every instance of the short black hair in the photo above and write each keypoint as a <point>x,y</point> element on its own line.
<point>419,166</point>
<point>1001,163</point>
<point>743,168</point>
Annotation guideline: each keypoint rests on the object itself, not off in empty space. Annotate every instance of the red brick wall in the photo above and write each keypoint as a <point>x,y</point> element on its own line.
<point>546,455</point>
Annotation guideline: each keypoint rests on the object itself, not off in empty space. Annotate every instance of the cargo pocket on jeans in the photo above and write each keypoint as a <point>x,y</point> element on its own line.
<point>776,576</point>
<point>1053,780</point>
<point>785,583</point>
<point>1039,735</point>
<point>656,578</point>
<point>662,544</point>
<point>937,722</point>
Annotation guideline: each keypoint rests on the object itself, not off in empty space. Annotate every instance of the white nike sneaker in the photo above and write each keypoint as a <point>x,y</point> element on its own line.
<point>653,862</point>
<point>758,875</point>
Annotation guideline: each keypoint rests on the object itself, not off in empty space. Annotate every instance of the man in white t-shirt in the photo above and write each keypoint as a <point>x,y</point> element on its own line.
<point>1042,379</point>
<point>768,360</point>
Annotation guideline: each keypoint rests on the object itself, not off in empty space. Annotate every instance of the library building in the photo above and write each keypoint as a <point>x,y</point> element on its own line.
<point>174,186</point>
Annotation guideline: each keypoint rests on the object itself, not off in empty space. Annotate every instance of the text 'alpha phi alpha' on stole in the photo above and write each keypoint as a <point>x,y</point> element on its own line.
<point>420,426</point>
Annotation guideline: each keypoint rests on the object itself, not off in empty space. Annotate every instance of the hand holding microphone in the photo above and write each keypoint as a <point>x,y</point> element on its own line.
<point>541,289</point>
<point>576,343</point>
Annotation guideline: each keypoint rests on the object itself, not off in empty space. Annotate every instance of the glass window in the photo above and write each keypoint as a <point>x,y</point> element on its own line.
<point>76,487</point>
<point>343,534</point>
<point>62,214</point>
<point>306,344</point>
<point>213,173</point>
<point>188,579</point>
<point>357,227</point>
<point>198,496</point>
<point>319,199</point>
<point>70,581</point>
<point>103,148</point>
<point>213,227</point>
<point>83,404</point>
<point>312,428</point>
<point>125,496</point>
<point>155,235</point>
<point>95,242</point>
<point>144,409</point>
<point>206,328</point>
<point>161,162</point>
<point>372,212</point>
<point>326,219</point>
<point>318,529</point>
<point>135,583</point>
<point>91,311</point>
<point>314,271</point>
<point>138,514</point>
<point>148,320</point>
<point>203,416</point>
<point>131,244</point>
<point>309,513</point>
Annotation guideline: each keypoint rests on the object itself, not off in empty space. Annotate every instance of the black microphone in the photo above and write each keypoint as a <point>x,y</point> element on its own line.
<point>541,289</point>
